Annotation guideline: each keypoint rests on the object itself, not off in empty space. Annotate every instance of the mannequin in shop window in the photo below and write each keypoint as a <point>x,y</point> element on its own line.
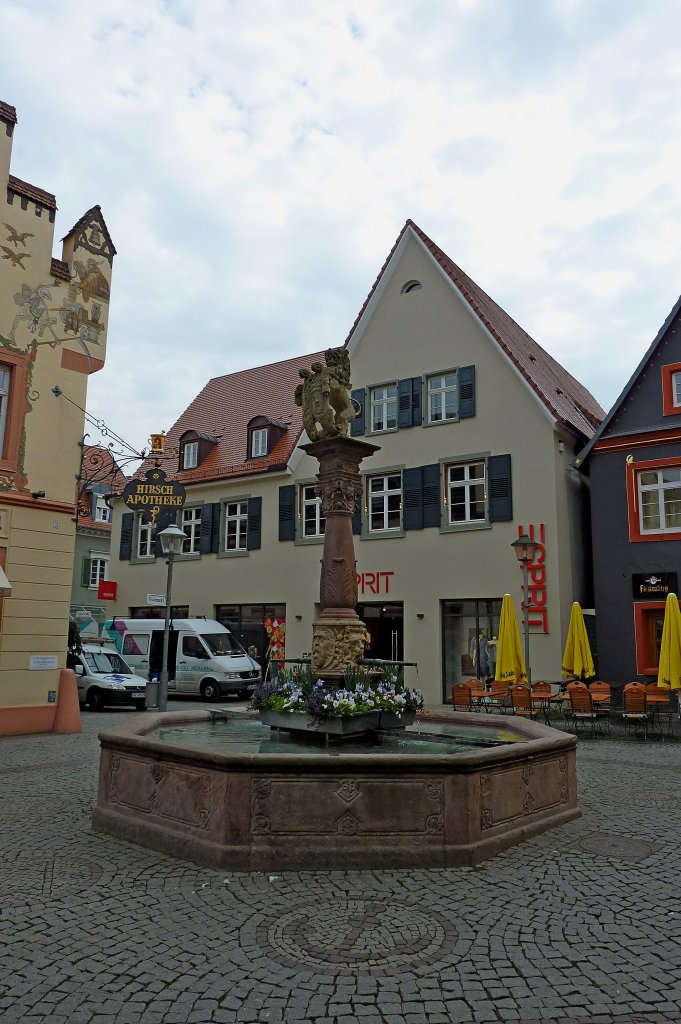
<point>492,657</point>
<point>479,657</point>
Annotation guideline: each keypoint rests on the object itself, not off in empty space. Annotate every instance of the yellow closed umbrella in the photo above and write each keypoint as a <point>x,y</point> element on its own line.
<point>510,661</point>
<point>669,673</point>
<point>577,660</point>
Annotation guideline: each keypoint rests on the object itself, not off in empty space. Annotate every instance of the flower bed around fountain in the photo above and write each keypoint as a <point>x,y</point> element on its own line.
<point>367,700</point>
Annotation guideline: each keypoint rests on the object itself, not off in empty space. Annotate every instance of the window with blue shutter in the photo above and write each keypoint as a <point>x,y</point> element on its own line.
<point>127,524</point>
<point>358,425</point>
<point>287,512</point>
<point>412,509</point>
<point>500,490</point>
<point>432,501</point>
<point>421,497</point>
<point>254,523</point>
<point>210,527</point>
<point>409,402</point>
<point>466,392</point>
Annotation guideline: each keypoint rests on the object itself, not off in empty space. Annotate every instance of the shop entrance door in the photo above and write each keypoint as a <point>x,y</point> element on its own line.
<point>385,624</point>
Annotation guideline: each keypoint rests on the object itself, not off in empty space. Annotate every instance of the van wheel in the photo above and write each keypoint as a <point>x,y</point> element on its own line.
<point>95,700</point>
<point>210,689</point>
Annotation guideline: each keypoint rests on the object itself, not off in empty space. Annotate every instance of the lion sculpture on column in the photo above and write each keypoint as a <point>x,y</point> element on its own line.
<point>324,396</point>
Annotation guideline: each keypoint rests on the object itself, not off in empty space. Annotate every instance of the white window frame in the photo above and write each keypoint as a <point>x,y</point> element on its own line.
<point>235,518</point>
<point>381,502</point>
<point>676,389</point>
<point>190,524</point>
<point>437,391</point>
<point>145,539</point>
<point>99,569</point>
<point>311,513</point>
<point>5,385</point>
<point>468,484</point>
<point>259,438</point>
<point>102,509</point>
<point>190,455</point>
<point>660,487</point>
<point>383,401</point>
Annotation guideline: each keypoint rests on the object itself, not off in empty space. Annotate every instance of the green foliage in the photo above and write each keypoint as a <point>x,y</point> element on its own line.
<point>74,643</point>
<point>356,676</point>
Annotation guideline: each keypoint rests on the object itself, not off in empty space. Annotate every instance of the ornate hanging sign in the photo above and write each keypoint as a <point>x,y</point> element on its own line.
<point>156,497</point>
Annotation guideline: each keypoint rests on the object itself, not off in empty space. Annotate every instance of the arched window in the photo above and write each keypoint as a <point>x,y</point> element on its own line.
<point>411,286</point>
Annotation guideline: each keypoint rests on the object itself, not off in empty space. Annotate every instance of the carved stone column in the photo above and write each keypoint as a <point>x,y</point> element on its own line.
<point>338,633</point>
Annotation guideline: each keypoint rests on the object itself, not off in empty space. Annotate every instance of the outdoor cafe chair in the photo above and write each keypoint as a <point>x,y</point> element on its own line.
<point>461,697</point>
<point>601,697</point>
<point>635,714</point>
<point>498,696</point>
<point>583,713</point>
<point>659,707</point>
<point>521,702</point>
<point>541,696</point>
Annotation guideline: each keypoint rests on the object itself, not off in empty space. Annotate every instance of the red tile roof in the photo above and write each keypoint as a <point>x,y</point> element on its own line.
<point>96,212</point>
<point>567,400</point>
<point>60,269</point>
<point>99,466</point>
<point>225,406</point>
<point>37,195</point>
<point>8,113</point>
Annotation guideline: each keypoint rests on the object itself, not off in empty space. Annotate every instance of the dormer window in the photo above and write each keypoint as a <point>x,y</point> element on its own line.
<point>259,443</point>
<point>194,448</point>
<point>190,455</point>
<point>263,435</point>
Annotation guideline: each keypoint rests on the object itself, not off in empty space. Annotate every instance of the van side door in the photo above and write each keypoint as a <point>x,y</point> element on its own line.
<point>192,662</point>
<point>135,650</point>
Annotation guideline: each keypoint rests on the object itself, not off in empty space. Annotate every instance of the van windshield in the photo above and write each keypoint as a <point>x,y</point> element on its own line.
<point>106,661</point>
<point>221,643</point>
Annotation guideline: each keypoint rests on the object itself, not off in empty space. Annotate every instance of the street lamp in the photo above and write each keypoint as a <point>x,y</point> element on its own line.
<point>172,540</point>
<point>525,549</point>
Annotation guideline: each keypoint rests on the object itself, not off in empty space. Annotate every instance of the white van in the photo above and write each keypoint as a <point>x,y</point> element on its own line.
<point>203,656</point>
<point>104,679</point>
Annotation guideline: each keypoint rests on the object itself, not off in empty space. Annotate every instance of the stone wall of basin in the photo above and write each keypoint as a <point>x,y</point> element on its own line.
<point>267,812</point>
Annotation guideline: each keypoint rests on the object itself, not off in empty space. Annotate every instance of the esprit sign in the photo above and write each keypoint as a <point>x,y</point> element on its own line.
<point>534,603</point>
<point>106,590</point>
<point>156,497</point>
<point>374,582</point>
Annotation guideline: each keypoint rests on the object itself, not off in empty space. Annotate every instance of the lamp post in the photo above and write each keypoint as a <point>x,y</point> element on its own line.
<point>525,549</point>
<point>172,539</point>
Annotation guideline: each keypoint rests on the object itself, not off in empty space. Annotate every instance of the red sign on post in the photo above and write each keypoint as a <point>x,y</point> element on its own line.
<point>106,591</point>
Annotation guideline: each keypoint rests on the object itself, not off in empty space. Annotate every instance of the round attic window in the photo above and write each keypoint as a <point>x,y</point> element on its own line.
<point>411,286</point>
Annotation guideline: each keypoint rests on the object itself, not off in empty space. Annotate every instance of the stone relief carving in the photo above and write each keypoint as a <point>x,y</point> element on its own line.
<point>339,495</point>
<point>335,647</point>
<point>338,584</point>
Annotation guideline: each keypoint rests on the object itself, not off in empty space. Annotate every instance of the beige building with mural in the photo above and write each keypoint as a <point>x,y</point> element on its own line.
<point>477,426</point>
<point>53,318</point>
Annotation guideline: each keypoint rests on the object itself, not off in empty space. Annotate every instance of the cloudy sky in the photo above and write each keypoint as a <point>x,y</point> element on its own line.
<point>256,159</point>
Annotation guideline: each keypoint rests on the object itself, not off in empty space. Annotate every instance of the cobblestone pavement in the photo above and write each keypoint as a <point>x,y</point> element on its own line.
<point>580,924</point>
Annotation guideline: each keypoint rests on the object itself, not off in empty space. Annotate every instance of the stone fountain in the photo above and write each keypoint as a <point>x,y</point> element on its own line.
<point>222,789</point>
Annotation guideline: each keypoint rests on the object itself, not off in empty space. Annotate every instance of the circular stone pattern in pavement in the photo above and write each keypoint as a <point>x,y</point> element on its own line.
<point>620,847</point>
<point>25,878</point>
<point>352,935</point>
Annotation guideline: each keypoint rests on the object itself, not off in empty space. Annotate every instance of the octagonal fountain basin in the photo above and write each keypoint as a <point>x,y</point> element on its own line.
<point>221,789</point>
